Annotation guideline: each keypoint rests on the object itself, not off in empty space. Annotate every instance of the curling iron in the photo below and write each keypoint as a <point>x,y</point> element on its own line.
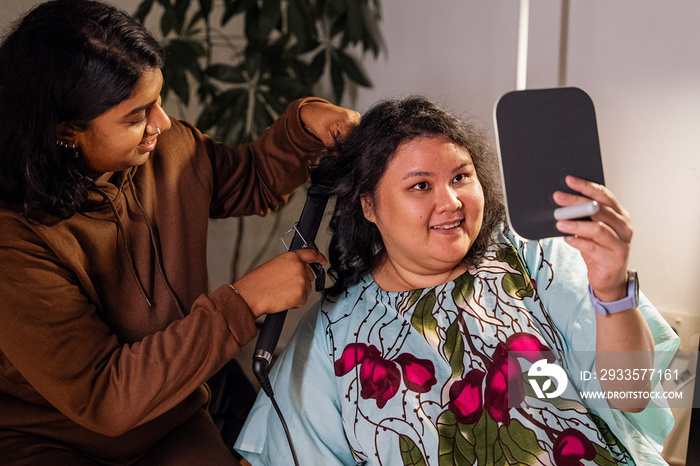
<point>305,231</point>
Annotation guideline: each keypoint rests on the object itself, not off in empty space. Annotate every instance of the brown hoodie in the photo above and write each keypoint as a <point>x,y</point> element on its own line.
<point>107,329</point>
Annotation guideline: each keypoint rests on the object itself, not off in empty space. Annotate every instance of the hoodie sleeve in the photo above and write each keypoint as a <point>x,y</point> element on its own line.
<point>55,347</point>
<point>256,177</point>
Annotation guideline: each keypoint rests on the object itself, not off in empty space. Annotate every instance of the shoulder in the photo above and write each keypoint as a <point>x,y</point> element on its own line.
<point>181,139</point>
<point>16,231</point>
<point>359,295</point>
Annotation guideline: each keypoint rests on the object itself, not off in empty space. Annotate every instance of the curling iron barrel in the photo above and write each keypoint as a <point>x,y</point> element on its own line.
<point>304,236</point>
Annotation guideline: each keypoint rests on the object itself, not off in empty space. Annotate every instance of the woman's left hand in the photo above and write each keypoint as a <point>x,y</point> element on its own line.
<point>604,242</point>
<point>327,121</point>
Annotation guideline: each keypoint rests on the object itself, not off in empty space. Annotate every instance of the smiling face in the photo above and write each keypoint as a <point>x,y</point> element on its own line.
<point>125,135</point>
<point>429,208</point>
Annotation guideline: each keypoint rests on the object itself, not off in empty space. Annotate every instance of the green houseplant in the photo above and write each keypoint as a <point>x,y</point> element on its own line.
<point>245,60</point>
<point>238,63</point>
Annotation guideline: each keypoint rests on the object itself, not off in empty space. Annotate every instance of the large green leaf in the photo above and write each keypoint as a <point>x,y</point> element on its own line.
<point>485,436</point>
<point>269,18</point>
<point>412,298</point>
<point>604,458</point>
<point>185,53</point>
<point>167,21</point>
<point>454,349</point>
<point>517,286</point>
<point>561,403</point>
<point>519,444</point>
<point>225,73</point>
<point>302,25</point>
<point>205,7</point>
<point>143,10</point>
<point>352,69</point>
<point>235,7</point>
<point>423,319</point>
<point>463,290</point>
<point>410,453</point>
<point>318,64</point>
<point>354,20</point>
<point>175,79</point>
<point>456,442</point>
<point>337,79</point>
<point>180,10</point>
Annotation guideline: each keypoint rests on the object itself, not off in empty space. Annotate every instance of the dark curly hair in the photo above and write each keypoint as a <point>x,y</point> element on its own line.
<point>358,162</point>
<point>64,63</point>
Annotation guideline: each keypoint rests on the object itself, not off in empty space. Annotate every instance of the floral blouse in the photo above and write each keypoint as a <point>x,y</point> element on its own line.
<point>436,376</point>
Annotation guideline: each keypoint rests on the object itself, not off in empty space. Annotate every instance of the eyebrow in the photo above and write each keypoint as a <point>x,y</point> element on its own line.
<point>418,174</point>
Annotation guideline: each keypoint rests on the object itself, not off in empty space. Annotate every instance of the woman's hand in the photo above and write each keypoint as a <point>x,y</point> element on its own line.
<point>281,283</point>
<point>604,242</point>
<point>623,340</point>
<point>327,121</point>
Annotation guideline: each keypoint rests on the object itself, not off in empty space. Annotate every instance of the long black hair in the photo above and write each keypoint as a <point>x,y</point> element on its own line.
<point>65,62</point>
<point>358,162</point>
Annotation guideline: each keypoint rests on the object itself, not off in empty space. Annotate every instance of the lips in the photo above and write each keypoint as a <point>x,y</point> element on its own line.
<point>149,145</point>
<point>447,226</point>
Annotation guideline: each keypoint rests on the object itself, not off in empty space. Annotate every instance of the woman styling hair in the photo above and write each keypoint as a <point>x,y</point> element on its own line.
<point>418,353</point>
<point>108,328</point>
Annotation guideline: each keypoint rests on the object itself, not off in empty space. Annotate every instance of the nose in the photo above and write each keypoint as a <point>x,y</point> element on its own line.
<point>158,120</point>
<point>447,199</point>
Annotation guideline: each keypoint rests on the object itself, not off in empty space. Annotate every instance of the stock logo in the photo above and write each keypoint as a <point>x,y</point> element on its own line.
<point>542,369</point>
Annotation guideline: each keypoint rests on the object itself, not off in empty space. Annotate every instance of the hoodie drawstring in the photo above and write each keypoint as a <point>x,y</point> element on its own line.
<point>154,243</point>
<point>121,229</point>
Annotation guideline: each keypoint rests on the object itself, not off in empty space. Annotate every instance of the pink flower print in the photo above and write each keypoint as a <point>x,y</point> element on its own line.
<point>530,346</point>
<point>501,375</point>
<point>504,375</point>
<point>353,354</point>
<point>571,446</point>
<point>379,377</point>
<point>465,397</point>
<point>418,374</point>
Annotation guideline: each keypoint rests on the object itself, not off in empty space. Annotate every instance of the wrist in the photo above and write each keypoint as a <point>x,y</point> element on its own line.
<point>613,295</point>
<point>611,303</point>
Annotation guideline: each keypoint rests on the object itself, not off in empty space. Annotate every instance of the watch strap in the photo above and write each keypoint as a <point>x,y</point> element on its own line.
<point>631,301</point>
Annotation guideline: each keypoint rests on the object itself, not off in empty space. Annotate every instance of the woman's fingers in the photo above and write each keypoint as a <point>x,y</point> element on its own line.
<point>284,282</point>
<point>327,121</point>
<point>604,241</point>
<point>610,211</point>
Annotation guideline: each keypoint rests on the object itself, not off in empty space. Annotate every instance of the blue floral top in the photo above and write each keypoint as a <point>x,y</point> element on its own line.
<point>438,376</point>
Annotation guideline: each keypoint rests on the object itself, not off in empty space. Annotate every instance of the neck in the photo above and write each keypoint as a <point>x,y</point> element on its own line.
<point>391,277</point>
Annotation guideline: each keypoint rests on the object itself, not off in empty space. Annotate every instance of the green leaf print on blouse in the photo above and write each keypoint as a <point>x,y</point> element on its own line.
<point>517,285</point>
<point>485,442</point>
<point>423,319</point>
<point>410,453</point>
<point>604,458</point>
<point>454,349</point>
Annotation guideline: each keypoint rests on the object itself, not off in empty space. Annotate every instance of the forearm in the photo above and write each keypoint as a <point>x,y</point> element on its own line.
<point>624,343</point>
<point>256,177</point>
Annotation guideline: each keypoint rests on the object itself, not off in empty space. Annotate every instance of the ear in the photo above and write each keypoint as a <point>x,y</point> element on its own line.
<point>368,207</point>
<point>66,133</point>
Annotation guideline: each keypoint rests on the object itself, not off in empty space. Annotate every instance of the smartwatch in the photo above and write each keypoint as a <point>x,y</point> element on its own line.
<point>630,302</point>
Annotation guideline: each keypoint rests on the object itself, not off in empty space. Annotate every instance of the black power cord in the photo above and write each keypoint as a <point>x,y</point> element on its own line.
<point>304,236</point>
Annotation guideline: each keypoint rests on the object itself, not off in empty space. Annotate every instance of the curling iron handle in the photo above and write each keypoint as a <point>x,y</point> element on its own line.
<point>269,335</point>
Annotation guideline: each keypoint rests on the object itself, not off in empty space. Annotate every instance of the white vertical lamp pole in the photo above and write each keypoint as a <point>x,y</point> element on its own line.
<point>563,42</point>
<point>523,30</point>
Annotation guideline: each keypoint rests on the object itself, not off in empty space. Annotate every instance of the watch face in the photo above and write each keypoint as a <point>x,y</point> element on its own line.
<point>634,278</point>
